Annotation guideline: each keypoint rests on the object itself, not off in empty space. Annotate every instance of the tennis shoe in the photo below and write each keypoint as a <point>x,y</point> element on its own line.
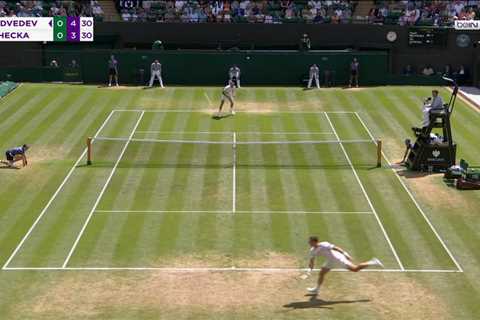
<point>313,290</point>
<point>376,262</point>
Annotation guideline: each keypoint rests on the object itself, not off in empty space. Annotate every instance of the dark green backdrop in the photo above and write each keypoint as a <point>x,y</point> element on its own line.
<point>211,67</point>
<point>206,67</point>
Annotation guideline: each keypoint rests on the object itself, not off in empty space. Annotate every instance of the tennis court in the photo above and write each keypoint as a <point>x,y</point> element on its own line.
<point>175,189</point>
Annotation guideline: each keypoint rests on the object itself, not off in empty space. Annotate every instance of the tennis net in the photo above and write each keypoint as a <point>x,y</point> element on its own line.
<point>232,151</point>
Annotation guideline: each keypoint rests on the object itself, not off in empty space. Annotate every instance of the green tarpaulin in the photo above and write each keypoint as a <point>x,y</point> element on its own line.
<point>6,87</point>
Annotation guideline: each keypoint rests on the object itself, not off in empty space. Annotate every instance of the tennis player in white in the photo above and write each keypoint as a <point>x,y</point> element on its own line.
<point>228,93</point>
<point>336,257</point>
<point>156,72</point>
<point>314,72</point>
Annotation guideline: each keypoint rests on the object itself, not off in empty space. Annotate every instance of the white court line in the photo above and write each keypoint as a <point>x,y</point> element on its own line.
<point>213,269</point>
<point>54,196</point>
<point>434,230</point>
<point>238,132</point>
<point>234,173</point>
<point>366,194</point>
<point>240,111</point>
<point>229,211</point>
<point>210,104</point>
<point>102,192</point>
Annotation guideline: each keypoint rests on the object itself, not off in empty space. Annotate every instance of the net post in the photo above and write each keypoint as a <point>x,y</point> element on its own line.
<point>379,153</point>
<point>89,151</point>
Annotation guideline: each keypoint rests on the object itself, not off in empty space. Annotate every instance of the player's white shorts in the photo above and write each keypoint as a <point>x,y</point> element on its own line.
<point>337,261</point>
<point>227,97</point>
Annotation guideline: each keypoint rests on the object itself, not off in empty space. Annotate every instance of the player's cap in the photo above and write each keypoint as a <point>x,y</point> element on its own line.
<point>26,147</point>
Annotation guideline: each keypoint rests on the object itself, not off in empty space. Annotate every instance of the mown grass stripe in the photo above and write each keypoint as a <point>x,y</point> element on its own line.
<point>382,125</point>
<point>142,181</point>
<point>252,190</point>
<point>34,121</point>
<point>26,114</point>
<point>54,118</point>
<point>60,216</point>
<point>168,230</point>
<point>291,184</point>
<point>355,129</point>
<point>433,253</point>
<point>15,104</point>
<point>195,184</point>
<point>34,199</point>
<point>52,218</point>
<point>125,189</point>
<point>362,243</point>
<point>71,137</point>
<point>109,237</point>
<point>279,224</point>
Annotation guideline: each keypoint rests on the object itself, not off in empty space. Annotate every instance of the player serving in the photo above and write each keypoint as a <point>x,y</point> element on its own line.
<point>16,154</point>
<point>336,257</point>
<point>228,93</point>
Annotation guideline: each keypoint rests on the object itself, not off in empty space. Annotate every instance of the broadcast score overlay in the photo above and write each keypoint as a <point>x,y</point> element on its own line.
<point>50,29</point>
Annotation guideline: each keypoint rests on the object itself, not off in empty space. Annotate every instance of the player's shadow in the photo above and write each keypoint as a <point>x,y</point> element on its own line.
<point>221,116</point>
<point>314,302</point>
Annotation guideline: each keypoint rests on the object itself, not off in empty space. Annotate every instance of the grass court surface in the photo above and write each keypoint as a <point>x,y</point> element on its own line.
<point>158,225</point>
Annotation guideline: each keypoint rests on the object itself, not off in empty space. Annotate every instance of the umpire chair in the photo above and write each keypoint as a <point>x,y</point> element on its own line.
<point>429,154</point>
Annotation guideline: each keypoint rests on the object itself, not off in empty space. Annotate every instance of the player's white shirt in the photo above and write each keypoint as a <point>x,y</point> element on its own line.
<point>234,72</point>
<point>156,67</point>
<point>314,71</point>
<point>324,249</point>
<point>334,258</point>
<point>229,90</point>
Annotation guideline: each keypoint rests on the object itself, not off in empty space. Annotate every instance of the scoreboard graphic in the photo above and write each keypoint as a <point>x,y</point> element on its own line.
<point>57,29</point>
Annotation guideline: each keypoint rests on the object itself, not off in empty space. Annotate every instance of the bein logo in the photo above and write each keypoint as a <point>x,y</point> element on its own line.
<point>467,25</point>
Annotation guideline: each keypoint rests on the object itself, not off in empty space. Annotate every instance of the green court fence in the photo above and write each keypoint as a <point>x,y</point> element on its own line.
<point>183,67</point>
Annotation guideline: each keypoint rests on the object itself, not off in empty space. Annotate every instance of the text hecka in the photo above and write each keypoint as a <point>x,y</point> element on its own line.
<point>14,35</point>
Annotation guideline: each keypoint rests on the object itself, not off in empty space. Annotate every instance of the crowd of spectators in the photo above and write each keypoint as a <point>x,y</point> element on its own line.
<point>405,12</point>
<point>459,73</point>
<point>227,11</point>
<point>426,13</point>
<point>51,8</point>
